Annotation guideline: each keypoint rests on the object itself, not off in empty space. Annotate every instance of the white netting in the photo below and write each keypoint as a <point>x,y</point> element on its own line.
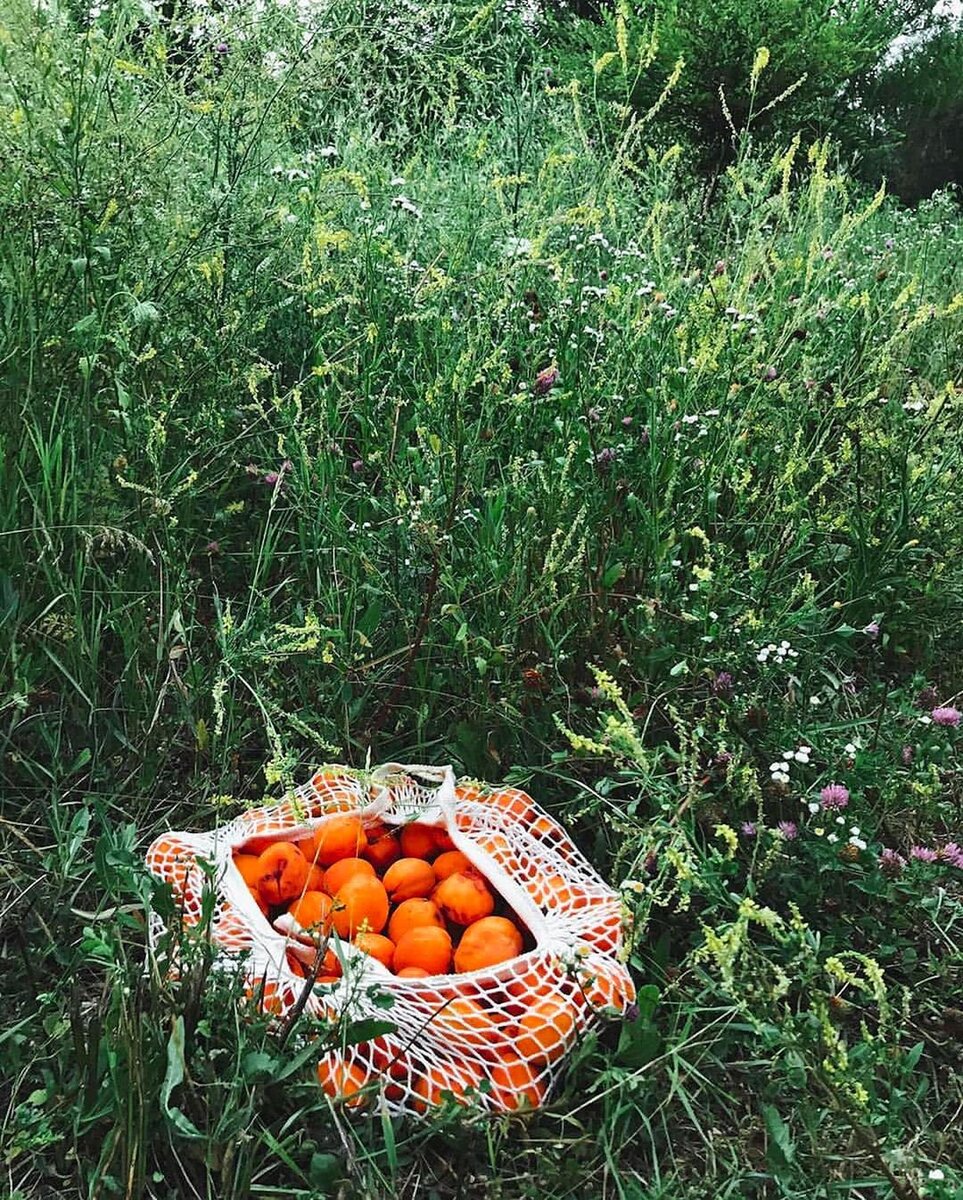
<point>495,1037</point>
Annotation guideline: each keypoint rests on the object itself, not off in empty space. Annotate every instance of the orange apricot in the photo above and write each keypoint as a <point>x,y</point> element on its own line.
<point>342,871</point>
<point>315,879</point>
<point>378,946</point>
<point>343,1080</point>
<point>339,837</point>
<point>409,878</point>
<point>449,863</point>
<point>247,865</point>
<point>382,850</point>
<point>464,897</point>
<point>413,913</point>
<point>282,873</point>
<point>312,911</point>
<point>514,1084</point>
<point>361,902</point>
<point>465,1022</point>
<point>437,1084</point>
<point>418,841</point>
<point>546,1030</point>
<point>487,942</point>
<point>262,904</point>
<point>412,973</point>
<point>427,947</point>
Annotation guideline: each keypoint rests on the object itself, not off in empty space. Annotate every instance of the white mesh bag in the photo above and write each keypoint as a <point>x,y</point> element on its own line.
<point>496,1037</point>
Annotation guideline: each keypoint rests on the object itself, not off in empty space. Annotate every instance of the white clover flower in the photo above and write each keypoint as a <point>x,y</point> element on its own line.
<point>813,807</point>
<point>831,837</point>
<point>840,820</point>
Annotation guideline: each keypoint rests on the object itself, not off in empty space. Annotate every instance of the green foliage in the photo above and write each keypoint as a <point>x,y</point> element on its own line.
<point>375,394</point>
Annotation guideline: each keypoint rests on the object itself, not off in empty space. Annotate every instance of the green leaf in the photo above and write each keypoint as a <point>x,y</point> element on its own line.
<point>173,1078</point>
<point>324,1172</point>
<point>780,1149</point>
<point>613,575</point>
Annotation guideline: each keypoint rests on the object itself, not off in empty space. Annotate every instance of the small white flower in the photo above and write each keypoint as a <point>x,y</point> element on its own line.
<point>850,749</point>
<point>813,807</point>
<point>807,750</point>
<point>936,1175</point>
<point>713,616</point>
<point>840,820</point>
<point>925,721</point>
<point>693,587</point>
<point>815,701</point>
<point>854,830</point>
<point>858,843</point>
<point>831,837</point>
<point>772,647</point>
<point>793,653</point>
<point>677,562</point>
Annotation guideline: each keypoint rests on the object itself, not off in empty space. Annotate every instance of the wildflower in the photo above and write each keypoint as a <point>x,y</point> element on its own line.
<point>779,772</point>
<point>891,862</point>
<point>889,243</point>
<point>936,1175</point>
<point>834,795</point>
<point>722,685</point>
<point>789,830</point>
<point>906,754</point>
<point>270,478</point>
<point>627,422</point>
<point>605,458</point>
<point>749,829</point>
<point>213,548</point>
<point>872,630</point>
<point>832,837</point>
<point>545,380</point>
<point>946,716</point>
<point>720,267</point>
<point>927,697</point>
<point>813,807</point>
<point>952,854</point>
<point>644,435</point>
<point>357,466</point>
<point>922,854</point>
<point>594,414</point>
<point>222,48</point>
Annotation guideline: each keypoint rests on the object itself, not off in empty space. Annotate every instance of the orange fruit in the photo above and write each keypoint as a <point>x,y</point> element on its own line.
<point>315,879</point>
<point>603,987</point>
<point>547,1029</point>
<point>464,897</point>
<point>418,841</point>
<point>339,837</point>
<point>282,873</point>
<point>379,947</point>
<point>437,1084</point>
<point>487,942</point>
<point>465,1022</point>
<point>257,845</point>
<point>412,973</point>
<point>264,907</point>
<point>448,863</point>
<point>383,847</point>
<point>409,878</point>
<point>312,911</point>
<point>343,1080</point>
<point>362,901</point>
<point>514,1084</point>
<point>427,947</point>
<point>412,913</point>
<point>342,871</point>
<point>247,865</point>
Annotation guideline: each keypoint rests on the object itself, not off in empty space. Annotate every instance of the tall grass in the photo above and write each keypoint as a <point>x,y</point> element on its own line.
<point>363,387</point>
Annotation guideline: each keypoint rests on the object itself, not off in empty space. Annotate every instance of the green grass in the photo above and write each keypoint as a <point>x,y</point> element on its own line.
<point>279,486</point>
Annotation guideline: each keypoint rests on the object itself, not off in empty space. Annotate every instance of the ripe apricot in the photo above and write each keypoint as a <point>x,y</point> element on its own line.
<point>378,946</point>
<point>315,881</point>
<point>418,841</point>
<point>514,1084</point>
<point>436,1084</point>
<point>343,1080</point>
<point>383,851</point>
<point>603,987</point>
<point>487,942</point>
<point>409,878</point>
<point>412,913</point>
<point>546,1029</point>
<point>362,901</point>
<point>464,897</point>
<point>312,911</point>
<point>449,863</point>
<point>465,1022</point>
<point>427,947</point>
<point>339,837</point>
<point>341,872</point>
<point>247,865</point>
<point>282,873</point>
<point>412,973</point>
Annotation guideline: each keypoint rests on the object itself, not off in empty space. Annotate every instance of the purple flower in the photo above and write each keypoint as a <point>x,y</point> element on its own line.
<point>834,795</point>
<point>222,48</point>
<point>720,267</point>
<point>789,830</point>
<point>270,478</point>
<point>770,373</point>
<point>357,466</point>
<point>748,829</point>
<point>872,630</point>
<point>891,862</point>
<point>889,243</point>
<point>922,854</point>
<point>946,715</point>
<point>594,414</point>
<point>287,466</point>
<point>605,458</point>
<point>213,548</point>
<point>906,754</point>
<point>722,685</point>
<point>627,422</point>
<point>644,435</point>
<point>952,854</point>
<point>545,380</point>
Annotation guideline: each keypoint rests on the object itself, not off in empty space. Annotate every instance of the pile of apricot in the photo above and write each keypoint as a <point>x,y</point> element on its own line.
<point>407,897</point>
